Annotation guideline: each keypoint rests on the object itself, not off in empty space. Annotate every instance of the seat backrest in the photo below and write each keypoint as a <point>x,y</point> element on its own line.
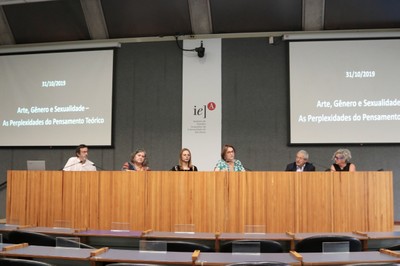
<point>266,246</point>
<point>314,243</point>
<point>259,263</point>
<point>74,244</point>
<point>396,247</point>
<point>39,239</point>
<point>131,264</point>
<point>184,246</point>
<point>32,238</point>
<point>21,262</point>
<point>373,264</point>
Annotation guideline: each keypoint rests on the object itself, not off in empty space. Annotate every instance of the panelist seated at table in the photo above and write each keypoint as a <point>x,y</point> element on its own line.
<point>228,161</point>
<point>185,161</point>
<point>342,162</point>
<point>80,161</point>
<point>301,163</point>
<point>138,162</point>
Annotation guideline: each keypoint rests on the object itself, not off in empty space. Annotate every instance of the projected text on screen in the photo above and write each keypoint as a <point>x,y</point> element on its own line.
<point>56,99</point>
<point>345,91</point>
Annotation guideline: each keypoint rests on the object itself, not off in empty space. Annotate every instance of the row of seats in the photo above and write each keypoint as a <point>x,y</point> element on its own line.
<point>25,262</point>
<point>21,262</point>
<point>311,244</point>
<point>39,239</point>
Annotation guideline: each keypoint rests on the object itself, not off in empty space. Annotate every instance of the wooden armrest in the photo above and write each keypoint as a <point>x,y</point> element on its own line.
<point>360,233</point>
<point>98,251</point>
<point>17,246</point>
<point>290,234</point>
<point>145,232</point>
<point>23,226</point>
<point>195,255</point>
<point>390,252</point>
<point>296,255</point>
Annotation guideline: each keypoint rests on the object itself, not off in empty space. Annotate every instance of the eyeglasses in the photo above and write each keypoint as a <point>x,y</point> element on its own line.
<point>339,157</point>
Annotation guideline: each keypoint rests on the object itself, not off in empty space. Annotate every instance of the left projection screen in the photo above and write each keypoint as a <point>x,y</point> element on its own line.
<point>56,99</point>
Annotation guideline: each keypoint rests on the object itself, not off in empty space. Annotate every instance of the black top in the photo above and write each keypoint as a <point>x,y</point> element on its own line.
<point>344,169</point>
<point>178,168</point>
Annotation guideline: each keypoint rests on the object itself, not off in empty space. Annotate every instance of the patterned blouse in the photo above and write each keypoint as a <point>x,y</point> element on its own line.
<point>223,166</point>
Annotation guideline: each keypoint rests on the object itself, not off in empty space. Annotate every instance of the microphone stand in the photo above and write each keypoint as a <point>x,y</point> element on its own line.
<point>98,167</point>
<point>4,184</point>
<point>66,167</point>
<point>327,169</point>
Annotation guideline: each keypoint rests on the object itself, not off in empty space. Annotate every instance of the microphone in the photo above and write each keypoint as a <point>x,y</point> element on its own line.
<point>98,167</point>
<point>327,169</point>
<point>68,166</point>
<point>3,184</point>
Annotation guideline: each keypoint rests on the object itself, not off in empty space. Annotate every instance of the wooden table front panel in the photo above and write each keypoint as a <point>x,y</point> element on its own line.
<point>212,201</point>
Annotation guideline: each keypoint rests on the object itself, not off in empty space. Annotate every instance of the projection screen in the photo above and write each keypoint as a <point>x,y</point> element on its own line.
<point>56,99</point>
<point>345,91</point>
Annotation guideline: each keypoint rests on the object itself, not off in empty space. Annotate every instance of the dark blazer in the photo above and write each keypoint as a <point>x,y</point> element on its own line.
<point>307,168</point>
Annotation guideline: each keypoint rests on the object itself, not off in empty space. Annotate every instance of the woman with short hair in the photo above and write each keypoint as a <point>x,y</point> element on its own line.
<point>228,161</point>
<point>342,162</point>
<point>138,162</point>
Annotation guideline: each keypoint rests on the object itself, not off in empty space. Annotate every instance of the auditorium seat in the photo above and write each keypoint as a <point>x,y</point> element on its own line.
<point>131,264</point>
<point>39,239</point>
<point>373,264</point>
<point>21,262</point>
<point>259,263</point>
<point>314,243</point>
<point>184,246</point>
<point>266,246</point>
<point>396,247</point>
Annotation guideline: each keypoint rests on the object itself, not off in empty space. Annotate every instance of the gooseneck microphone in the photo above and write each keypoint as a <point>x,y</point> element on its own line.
<point>326,169</point>
<point>68,166</point>
<point>97,167</point>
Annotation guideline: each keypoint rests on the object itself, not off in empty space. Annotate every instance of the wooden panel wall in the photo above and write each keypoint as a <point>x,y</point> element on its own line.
<point>35,197</point>
<point>212,201</point>
<point>121,199</point>
<point>314,202</point>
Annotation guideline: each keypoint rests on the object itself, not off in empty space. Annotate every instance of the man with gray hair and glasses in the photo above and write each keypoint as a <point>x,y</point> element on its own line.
<point>301,164</point>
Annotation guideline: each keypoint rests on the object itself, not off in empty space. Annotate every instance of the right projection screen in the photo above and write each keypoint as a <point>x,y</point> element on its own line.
<point>345,91</point>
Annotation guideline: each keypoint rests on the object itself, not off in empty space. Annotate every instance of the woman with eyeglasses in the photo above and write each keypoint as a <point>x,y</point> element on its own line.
<point>342,163</point>
<point>228,161</point>
<point>138,162</point>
